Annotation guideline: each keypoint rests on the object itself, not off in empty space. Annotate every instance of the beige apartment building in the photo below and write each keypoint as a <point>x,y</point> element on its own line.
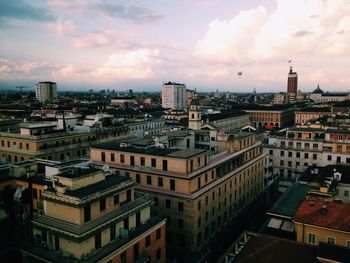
<point>91,217</point>
<point>44,140</point>
<point>199,194</point>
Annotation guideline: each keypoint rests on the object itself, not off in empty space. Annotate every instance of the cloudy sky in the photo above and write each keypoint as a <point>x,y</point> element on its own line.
<point>98,44</point>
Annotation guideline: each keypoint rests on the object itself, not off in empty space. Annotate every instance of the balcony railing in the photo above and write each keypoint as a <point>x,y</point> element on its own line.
<point>79,230</point>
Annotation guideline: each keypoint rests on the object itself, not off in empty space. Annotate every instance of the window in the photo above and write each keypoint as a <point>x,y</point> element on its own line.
<point>172,184</point>
<point>160,181</point>
<point>148,240</point>
<point>27,146</point>
<point>206,200</point>
<point>35,193</point>
<point>315,146</point>
<point>165,165</point>
<point>112,157</point>
<point>149,179</point>
<point>123,257</point>
<point>167,203</point>
<point>338,159</point>
<point>314,156</point>
<point>138,179</point>
<point>158,233</point>
<point>271,152</point>
<point>307,145</point>
<point>122,160</point>
<point>142,161</point>
<point>331,240</point>
<point>282,153</point>
<point>155,199</point>
<point>112,232</point>
<point>346,193</point>
<point>199,182</point>
<point>306,155</point>
<point>136,251</point>
<point>103,156</point>
<point>102,204</point>
<point>98,240</point>
<point>87,213</point>
<point>290,154</point>
<point>347,243</point>
<point>20,145</point>
<point>329,157</point>
<point>311,239</point>
<point>116,199</point>
<point>180,206</point>
<point>153,162</point>
<point>159,253</point>
<point>199,205</point>
<point>180,223</point>
<point>206,177</point>
<point>298,154</point>
<point>132,160</point>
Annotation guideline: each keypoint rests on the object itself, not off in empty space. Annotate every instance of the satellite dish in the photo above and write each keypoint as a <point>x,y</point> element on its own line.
<point>239,73</point>
<point>105,167</point>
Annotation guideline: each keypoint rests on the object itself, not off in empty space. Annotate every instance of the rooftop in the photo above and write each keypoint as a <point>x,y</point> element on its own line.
<point>290,201</point>
<point>263,249</point>
<point>76,172</point>
<point>315,109</point>
<point>337,215</point>
<point>150,150</point>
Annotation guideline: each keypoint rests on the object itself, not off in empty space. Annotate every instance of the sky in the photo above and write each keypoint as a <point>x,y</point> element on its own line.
<point>101,44</point>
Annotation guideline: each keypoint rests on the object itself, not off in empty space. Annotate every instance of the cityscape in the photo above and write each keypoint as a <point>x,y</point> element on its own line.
<point>223,137</point>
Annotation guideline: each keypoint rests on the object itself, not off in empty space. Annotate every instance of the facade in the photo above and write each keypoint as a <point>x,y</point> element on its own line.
<point>199,194</point>
<point>174,96</point>
<point>46,90</point>
<point>319,221</point>
<point>90,217</point>
<point>305,115</point>
<point>299,148</point>
<point>273,117</point>
<point>319,96</point>
<point>44,140</point>
<point>292,84</point>
<point>149,126</point>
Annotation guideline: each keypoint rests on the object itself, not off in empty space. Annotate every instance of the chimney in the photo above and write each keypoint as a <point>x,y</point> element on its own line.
<point>324,210</point>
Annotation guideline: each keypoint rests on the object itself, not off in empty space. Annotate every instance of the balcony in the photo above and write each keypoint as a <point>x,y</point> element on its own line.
<point>77,231</point>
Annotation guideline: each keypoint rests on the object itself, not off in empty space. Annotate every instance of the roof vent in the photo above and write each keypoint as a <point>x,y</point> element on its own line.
<point>324,210</point>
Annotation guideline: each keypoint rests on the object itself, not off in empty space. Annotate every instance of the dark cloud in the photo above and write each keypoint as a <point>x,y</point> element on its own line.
<point>19,9</point>
<point>133,13</point>
<point>302,33</point>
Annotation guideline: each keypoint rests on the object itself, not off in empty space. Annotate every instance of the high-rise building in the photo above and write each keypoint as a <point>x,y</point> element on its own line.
<point>174,96</point>
<point>292,86</point>
<point>46,90</point>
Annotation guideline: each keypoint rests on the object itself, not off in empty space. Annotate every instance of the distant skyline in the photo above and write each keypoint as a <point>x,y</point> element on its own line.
<point>97,44</point>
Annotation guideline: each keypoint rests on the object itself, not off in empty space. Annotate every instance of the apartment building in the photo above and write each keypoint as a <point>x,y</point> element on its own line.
<point>199,194</point>
<point>299,148</point>
<point>46,140</point>
<point>305,115</point>
<point>91,217</point>
<point>149,126</point>
<point>45,91</point>
<point>174,96</point>
<point>319,221</point>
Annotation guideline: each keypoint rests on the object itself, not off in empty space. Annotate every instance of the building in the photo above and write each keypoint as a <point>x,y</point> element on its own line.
<point>331,181</point>
<point>280,98</point>
<point>319,96</point>
<point>147,126</point>
<point>307,114</point>
<point>91,217</point>
<point>47,140</point>
<point>257,248</point>
<point>199,194</point>
<point>319,221</point>
<point>277,116</point>
<point>174,96</point>
<point>293,151</point>
<point>46,90</point>
<point>292,84</point>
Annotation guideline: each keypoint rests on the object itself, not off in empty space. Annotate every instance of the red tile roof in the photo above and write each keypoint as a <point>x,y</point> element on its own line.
<point>336,217</point>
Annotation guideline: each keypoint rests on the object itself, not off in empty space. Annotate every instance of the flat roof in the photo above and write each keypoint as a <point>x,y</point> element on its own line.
<point>151,150</point>
<point>110,181</point>
<point>76,172</point>
<point>290,201</point>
